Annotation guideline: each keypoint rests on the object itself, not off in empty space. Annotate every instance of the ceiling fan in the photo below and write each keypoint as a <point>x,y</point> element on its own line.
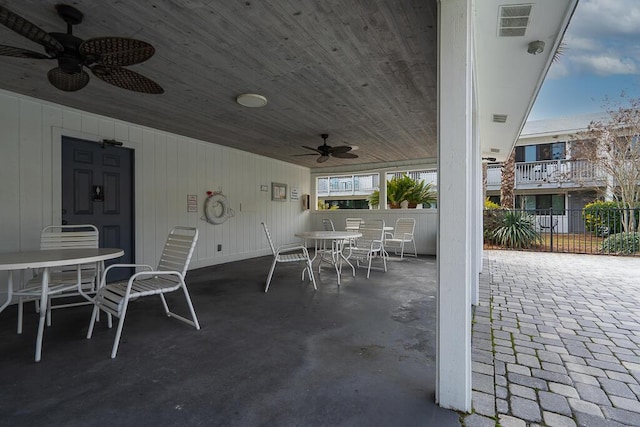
<point>341,152</point>
<point>106,57</point>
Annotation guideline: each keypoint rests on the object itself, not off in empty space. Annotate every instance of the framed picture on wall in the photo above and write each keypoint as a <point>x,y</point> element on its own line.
<point>278,191</point>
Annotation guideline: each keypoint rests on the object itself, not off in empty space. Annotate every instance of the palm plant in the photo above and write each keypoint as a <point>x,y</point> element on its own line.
<point>517,230</point>
<point>405,188</point>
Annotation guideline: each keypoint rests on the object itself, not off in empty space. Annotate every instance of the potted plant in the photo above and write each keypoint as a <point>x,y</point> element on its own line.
<point>404,188</point>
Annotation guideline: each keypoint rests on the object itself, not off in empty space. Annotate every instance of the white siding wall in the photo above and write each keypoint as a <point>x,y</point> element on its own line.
<point>168,167</point>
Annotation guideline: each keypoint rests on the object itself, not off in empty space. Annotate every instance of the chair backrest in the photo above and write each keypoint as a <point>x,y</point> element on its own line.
<point>404,228</point>
<point>266,231</point>
<point>353,223</point>
<point>69,237</point>
<point>178,249</point>
<point>327,225</point>
<point>372,234</point>
<point>545,222</point>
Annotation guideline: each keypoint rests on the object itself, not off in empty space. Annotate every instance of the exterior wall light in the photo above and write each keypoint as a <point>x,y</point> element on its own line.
<point>536,47</point>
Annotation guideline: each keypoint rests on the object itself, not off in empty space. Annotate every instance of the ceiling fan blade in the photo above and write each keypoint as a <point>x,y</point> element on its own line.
<point>18,52</point>
<point>298,155</point>
<point>31,31</point>
<point>322,159</point>
<point>345,155</point>
<point>66,81</point>
<point>126,79</point>
<point>340,149</point>
<point>116,51</point>
<point>312,149</point>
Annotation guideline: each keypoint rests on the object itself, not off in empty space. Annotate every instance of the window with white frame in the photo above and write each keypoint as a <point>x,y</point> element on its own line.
<point>401,187</point>
<point>346,191</point>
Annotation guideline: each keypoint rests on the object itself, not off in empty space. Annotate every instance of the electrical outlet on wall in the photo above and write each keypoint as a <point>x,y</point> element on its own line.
<point>219,248</point>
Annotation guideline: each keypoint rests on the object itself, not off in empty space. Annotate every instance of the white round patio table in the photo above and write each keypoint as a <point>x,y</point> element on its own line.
<point>45,259</point>
<point>337,238</point>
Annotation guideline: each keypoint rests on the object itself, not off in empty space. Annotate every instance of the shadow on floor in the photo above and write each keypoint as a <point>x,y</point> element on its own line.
<point>359,354</point>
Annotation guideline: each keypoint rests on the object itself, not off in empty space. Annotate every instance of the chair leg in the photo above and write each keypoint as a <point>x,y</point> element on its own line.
<point>311,275</point>
<point>369,269</point>
<point>273,267</point>
<point>20,314</point>
<point>196,324</point>
<point>164,304</point>
<point>49,313</point>
<point>116,341</point>
<point>384,260</point>
<point>402,250</point>
<point>94,315</point>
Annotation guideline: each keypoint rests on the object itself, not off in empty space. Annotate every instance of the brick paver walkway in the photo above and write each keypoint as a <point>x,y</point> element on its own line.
<point>556,341</point>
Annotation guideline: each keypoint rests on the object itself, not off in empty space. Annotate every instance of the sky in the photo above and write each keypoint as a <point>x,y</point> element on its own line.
<point>601,59</point>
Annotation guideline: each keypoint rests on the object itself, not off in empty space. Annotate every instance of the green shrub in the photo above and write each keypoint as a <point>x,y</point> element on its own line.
<point>488,204</point>
<point>603,218</point>
<point>491,219</point>
<point>406,188</point>
<point>622,243</point>
<point>600,217</point>
<point>517,230</point>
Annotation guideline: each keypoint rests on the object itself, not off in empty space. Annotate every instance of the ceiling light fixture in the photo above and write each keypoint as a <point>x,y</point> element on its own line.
<point>536,47</point>
<point>251,100</point>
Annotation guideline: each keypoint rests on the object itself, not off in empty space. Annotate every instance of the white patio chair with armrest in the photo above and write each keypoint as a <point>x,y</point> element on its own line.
<point>113,298</point>
<point>353,224</point>
<point>369,245</point>
<point>67,281</point>
<point>402,235</point>
<point>326,254</point>
<point>293,252</point>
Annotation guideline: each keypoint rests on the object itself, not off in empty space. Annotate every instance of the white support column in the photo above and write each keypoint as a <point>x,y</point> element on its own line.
<point>476,211</point>
<point>455,205</point>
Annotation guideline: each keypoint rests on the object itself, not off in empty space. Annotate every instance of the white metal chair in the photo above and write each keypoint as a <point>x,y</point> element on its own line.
<point>294,252</point>
<point>402,235</point>
<point>113,298</point>
<point>326,254</point>
<point>75,280</point>
<point>370,245</point>
<point>327,225</point>
<point>353,224</point>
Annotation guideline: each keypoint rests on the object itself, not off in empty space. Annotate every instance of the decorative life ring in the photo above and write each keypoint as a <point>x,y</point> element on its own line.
<point>216,208</point>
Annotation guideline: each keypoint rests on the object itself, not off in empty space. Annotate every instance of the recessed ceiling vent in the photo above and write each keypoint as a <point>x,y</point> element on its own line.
<point>513,20</point>
<point>500,118</point>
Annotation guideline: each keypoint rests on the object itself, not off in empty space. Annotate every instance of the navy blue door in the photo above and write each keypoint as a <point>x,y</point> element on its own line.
<point>97,188</point>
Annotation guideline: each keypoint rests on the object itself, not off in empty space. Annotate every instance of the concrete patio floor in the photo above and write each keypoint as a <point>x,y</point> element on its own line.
<point>556,341</point>
<point>362,354</point>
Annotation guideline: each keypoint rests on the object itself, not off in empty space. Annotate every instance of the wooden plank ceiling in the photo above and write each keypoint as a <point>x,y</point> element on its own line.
<point>362,71</point>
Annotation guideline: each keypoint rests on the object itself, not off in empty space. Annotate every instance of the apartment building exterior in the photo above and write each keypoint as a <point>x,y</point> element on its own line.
<point>550,176</point>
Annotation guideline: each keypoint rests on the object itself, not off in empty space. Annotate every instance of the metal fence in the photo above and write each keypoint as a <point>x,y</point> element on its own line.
<point>607,231</point>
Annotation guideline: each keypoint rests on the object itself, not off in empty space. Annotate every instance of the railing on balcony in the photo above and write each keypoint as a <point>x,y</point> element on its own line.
<point>347,185</point>
<point>578,173</point>
<point>494,175</point>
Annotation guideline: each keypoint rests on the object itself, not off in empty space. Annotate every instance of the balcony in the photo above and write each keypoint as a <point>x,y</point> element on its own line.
<point>550,174</point>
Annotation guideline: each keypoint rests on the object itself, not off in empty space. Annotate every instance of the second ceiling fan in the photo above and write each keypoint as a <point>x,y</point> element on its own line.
<point>325,151</point>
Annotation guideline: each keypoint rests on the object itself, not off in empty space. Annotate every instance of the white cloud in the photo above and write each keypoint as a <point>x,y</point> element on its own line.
<point>606,18</point>
<point>604,64</point>
<point>602,39</point>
